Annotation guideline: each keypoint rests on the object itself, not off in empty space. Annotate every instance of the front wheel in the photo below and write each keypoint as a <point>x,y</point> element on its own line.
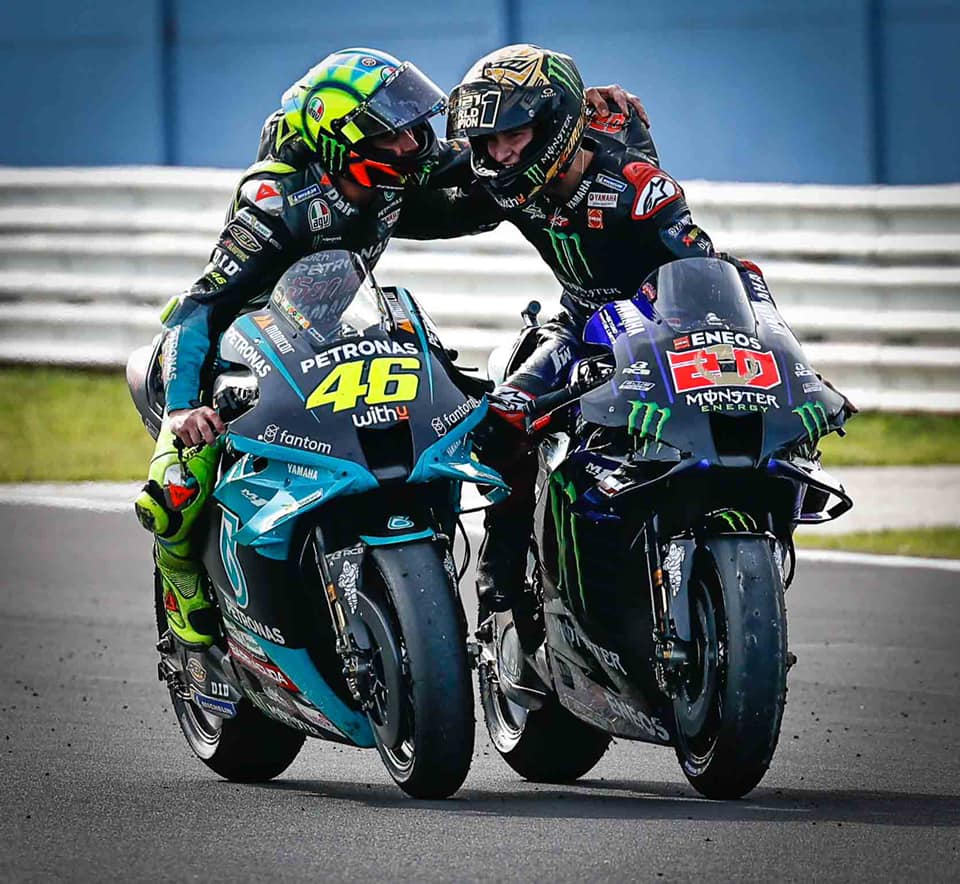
<point>249,748</point>
<point>731,702</point>
<point>422,714</point>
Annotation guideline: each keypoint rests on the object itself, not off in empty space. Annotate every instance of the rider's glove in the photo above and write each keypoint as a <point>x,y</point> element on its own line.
<point>848,406</point>
<point>508,404</point>
<point>742,264</point>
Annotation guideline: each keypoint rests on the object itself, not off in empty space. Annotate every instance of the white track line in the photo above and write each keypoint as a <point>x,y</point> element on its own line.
<point>118,498</point>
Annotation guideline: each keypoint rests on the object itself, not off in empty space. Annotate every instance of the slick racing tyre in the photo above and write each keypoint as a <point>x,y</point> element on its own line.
<point>422,715</point>
<point>730,706</point>
<point>546,745</point>
<point>249,748</point>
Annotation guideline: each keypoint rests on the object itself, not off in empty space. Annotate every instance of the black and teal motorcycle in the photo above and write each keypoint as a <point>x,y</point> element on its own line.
<point>675,466</point>
<point>329,539</point>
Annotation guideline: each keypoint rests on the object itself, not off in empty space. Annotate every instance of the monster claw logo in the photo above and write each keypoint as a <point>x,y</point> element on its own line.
<point>736,520</point>
<point>566,246</point>
<point>535,174</point>
<point>332,153</point>
<point>560,71</point>
<point>645,413</point>
<point>815,421</point>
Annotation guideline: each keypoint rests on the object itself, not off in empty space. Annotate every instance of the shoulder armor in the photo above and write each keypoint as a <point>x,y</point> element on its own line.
<point>265,194</point>
<point>655,189</point>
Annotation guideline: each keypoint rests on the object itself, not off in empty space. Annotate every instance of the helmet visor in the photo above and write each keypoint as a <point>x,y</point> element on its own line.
<point>407,97</point>
<point>484,108</point>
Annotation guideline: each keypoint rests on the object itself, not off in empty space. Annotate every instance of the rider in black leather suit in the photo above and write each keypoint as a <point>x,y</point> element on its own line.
<point>600,212</point>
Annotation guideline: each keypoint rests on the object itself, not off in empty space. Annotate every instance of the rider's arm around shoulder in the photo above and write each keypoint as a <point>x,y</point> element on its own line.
<point>628,129</point>
<point>446,213</point>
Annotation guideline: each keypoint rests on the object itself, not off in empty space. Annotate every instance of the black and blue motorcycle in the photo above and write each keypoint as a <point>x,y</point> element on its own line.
<point>329,539</point>
<point>673,470</point>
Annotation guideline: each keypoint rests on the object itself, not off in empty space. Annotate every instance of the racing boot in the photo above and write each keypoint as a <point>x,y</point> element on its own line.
<point>169,504</point>
<point>502,571</point>
<point>502,563</point>
<point>190,615</point>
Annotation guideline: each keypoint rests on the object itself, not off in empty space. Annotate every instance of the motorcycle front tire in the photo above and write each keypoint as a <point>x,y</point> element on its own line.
<point>430,755</point>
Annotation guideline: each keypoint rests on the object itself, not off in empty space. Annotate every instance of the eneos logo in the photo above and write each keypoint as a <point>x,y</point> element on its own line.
<point>723,366</point>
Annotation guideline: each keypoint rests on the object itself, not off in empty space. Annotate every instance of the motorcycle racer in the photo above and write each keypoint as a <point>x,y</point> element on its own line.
<point>600,212</point>
<point>335,164</point>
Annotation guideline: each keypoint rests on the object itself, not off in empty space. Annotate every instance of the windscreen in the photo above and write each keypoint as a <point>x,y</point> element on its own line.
<point>331,294</point>
<point>699,293</point>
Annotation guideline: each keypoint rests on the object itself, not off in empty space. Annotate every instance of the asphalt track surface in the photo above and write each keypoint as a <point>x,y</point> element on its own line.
<point>96,782</point>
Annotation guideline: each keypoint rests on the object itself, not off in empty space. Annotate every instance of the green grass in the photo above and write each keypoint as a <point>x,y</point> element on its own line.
<point>70,425</point>
<point>925,542</point>
<point>61,425</point>
<point>880,439</point>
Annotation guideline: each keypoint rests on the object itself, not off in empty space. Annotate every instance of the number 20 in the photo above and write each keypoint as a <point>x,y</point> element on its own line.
<point>389,379</point>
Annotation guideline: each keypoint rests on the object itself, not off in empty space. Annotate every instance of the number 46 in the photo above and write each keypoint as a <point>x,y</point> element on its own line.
<point>389,379</point>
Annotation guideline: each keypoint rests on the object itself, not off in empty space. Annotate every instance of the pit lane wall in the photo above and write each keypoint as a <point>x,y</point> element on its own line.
<point>868,277</point>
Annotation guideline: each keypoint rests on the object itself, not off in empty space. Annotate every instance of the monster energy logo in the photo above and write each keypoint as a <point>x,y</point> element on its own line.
<point>567,255</point>
<point>564,493</point>
<point>332,153</point>
<point>737,521</point>
<point>535,174</point>
<point>284,133</point>
<point>645,413</point>
<point>814,417</point>
<point>563,73</point>
<point>426,170</point>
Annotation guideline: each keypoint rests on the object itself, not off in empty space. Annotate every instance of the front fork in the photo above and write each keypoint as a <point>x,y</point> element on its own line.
<point>351,642</point>
<point>668,581</point>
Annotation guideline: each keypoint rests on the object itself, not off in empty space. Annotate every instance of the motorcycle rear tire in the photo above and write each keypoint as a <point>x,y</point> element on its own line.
<point>729,714</point>
<point>249,748</point>
<point>545,745</point>
<point>431,755</point>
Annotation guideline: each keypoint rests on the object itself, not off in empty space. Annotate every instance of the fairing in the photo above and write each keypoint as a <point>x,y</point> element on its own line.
<point>693,342</point>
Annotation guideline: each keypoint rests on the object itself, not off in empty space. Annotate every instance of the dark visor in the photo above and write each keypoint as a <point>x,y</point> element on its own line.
<point>477,110</point>
<point>407,97</point>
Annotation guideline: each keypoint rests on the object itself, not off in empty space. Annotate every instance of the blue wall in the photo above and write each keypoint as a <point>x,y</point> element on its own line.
<point>833,91</point>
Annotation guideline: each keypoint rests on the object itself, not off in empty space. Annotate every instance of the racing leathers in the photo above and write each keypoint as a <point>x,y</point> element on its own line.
<point>626,218</point>
<point>286,206</point>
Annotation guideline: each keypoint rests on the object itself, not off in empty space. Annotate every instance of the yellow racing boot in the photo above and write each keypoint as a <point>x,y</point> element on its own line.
<point>190,615</point>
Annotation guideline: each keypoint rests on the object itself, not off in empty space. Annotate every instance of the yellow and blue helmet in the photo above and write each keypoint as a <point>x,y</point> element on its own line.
<point>354,95</point>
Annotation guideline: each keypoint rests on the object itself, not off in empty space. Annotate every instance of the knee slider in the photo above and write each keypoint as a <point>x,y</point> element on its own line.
<point>154,512</point>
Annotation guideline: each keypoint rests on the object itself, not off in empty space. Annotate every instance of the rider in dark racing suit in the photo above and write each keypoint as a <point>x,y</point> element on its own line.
<point>336,162</point>
<point>600,212</point>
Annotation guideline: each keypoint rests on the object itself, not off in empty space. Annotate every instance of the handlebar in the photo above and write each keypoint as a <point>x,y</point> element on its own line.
<point>543,405</point>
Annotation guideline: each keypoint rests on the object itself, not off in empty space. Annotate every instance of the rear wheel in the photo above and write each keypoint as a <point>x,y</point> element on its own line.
<point>545,745</point>
<point>731,703</point>
<point>422,714</point>
<point>249,748</point>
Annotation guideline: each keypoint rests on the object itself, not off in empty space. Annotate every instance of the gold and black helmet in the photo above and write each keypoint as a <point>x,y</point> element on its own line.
<point>516,86</point>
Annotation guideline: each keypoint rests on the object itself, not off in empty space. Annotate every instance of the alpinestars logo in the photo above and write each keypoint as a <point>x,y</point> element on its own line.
<point>814,418</point>
<point>658,191</point>
<point>567,248</point>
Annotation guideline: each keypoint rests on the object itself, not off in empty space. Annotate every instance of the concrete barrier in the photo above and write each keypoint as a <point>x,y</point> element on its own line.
<point>868,277</point>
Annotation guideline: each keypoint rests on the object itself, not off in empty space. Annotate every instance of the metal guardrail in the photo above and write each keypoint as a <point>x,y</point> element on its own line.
<point>868,277</point>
